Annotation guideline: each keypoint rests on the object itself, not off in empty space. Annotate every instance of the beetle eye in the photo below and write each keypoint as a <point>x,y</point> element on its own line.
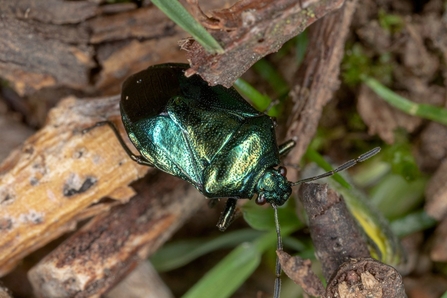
<point>260,200</point>
<point>283,171</point>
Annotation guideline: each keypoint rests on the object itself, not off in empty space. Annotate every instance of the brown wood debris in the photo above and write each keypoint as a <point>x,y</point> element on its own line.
<point>57,174</point>
<point>300,271</point>
<point>248,31</point>
<point>365,278</point>
<point>100,254</point>
<point>316,79</point>
<point>335,233</point>
<point>81,45</point>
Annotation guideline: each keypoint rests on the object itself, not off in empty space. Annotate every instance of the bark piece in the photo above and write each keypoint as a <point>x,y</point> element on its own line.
<point>144,23</point>
<point>34,55</point>
<point>248,31</point>
<point>317,78</point>
<point>335,234</point>
<point>99,255</point>
<point>366,278</point>
<point>300,272</point>
<point>53,11</point>
<point>48,183</point>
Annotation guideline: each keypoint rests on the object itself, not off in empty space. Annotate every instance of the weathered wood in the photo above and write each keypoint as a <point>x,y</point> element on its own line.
<point>34,56</point>
<point>316,79</point>
<point>100,254</point>
<point>336,235</point>
<point>49,183</point>
<point>365,277</point>
<point>248,31</point>
<point>92,51</point>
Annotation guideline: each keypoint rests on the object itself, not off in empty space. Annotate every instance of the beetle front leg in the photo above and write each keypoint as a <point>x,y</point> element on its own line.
<point>286,147</point>
<point>227,216</point>
<point>137,158</point>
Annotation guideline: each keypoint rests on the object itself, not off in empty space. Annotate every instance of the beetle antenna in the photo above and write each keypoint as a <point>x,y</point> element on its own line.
<point>343,167</point>
<point>277,287</point>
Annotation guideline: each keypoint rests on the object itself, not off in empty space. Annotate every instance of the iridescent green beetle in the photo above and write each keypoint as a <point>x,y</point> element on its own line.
<point>208,136</point>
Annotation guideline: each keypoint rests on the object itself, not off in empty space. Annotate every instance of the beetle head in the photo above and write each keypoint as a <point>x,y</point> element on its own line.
<point>273,187</point>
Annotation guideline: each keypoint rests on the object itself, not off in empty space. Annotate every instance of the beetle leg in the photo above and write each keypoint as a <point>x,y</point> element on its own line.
<point>286,147</point>
<point>227,216</point>
<point>137,158</point>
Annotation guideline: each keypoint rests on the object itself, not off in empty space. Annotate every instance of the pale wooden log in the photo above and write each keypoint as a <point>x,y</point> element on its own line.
<point>48,184</point>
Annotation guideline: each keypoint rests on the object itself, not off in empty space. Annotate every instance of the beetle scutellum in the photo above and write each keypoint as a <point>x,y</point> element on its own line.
<point>210,137</point>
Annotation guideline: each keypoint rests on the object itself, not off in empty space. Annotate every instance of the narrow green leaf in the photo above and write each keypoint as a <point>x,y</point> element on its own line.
<point>178,14</point>
<point>386,246</point>
<point>176,254</point>
<point>301,46</point>
<point>227,276</point>
<point>421,110</point>
<point>271,75</point>
<point>260,101</point>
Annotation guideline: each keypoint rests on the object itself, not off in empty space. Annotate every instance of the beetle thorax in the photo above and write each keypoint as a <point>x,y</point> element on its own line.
<point>273,187</point>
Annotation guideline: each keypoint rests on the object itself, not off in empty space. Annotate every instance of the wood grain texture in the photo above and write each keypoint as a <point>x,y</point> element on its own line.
<point>49,183</point>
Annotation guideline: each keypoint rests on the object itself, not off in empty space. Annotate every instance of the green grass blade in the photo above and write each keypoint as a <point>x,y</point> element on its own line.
<point>178,14</point>
<point>421,110</point>
<point>177,254</point>
<point>227,276</point>
<point>260,101</point>
<point>272,76</point>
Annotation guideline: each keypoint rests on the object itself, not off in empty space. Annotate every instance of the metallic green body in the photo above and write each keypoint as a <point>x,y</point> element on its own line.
<point>208,136</point>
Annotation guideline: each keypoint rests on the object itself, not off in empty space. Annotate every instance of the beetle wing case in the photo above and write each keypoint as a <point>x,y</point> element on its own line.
<point>208,136</point>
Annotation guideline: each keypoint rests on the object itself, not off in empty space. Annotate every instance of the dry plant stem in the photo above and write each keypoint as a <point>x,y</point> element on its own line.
<point>300,272</point>
<point>100,254</point>
<point>317,78</point>
<point>365,277</point>
<point>248,31</point>
<point>334,232</point>
<point>50,182</point>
